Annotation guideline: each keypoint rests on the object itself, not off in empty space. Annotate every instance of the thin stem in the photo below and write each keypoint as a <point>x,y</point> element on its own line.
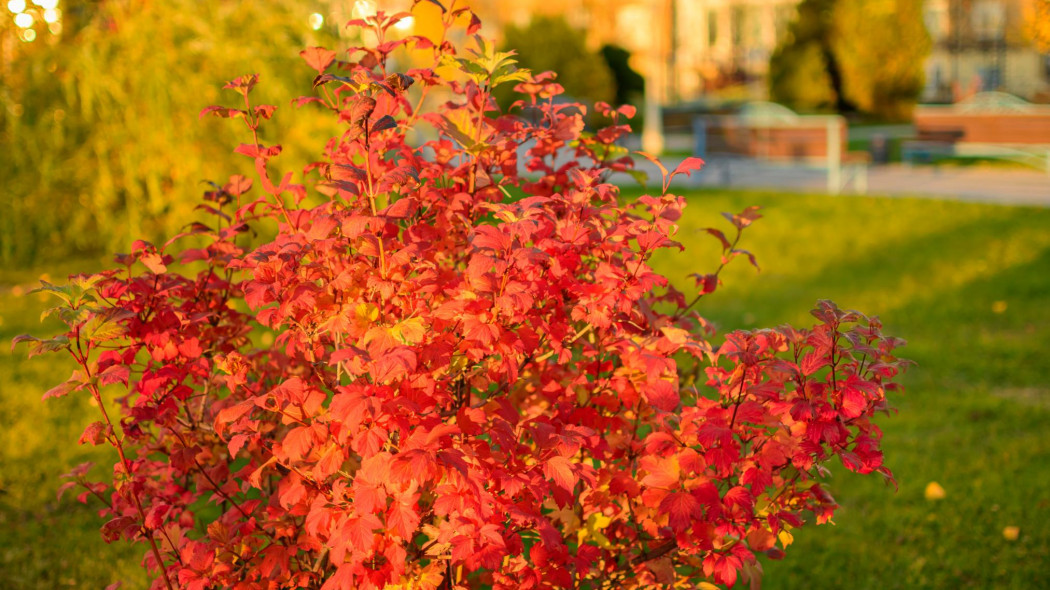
<point>81,358</point>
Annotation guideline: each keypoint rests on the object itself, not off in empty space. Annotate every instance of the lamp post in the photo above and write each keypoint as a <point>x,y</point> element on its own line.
<point>652,128</point>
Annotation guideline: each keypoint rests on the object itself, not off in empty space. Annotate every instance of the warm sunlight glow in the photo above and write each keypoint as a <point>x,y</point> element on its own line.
<point>364,8</point>
<point>51,15</point>
<point>316,21</point>
<point>405,24</point>
<point>24,20</point>
<point>28,35</point>
<point>46,4</point>
<point>16,6</point>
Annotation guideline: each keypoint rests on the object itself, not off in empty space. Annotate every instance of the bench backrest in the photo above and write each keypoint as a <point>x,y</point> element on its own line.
<point>1020,128</point>
<point>986,117</point>
<point>802,138</point>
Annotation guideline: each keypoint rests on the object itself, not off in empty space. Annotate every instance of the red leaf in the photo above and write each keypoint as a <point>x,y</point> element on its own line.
<point>114,374</point>
<point>853,403</point>
<point>318,58</point>
<point>361,108</point>
<point>243,84</point>
<point>298,442</point>
<point>721,237</point>
<point>95,434</point>
<point>62,389</point>
<point>475,24</point>
<point>329,463</point>
<point>394,364</point>
<point>487,236</point>
<point>220,111</point>
<point>360,532</point>
<point>302,100</point>
<point>750,257</point>
<point>237,442</point>
<point>264,111</point>
<point>343,579</point>
<point>681,509</point>
<point>813,362</point>
<point>688,166</point>
<point>661,472</point>
<point>385,122</point>
<point>402,208</point>
<point>403,518</point>
<point>739,496</point>
<point>560,470</point>
<point>154,262</point>
<point>155,516</point>
<point>227,415</point>
<point>722,567</point>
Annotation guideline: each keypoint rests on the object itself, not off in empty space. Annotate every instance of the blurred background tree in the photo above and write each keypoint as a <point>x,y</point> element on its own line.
<point>803,72</point>
<point>853,56</point>
<point>549,43</point>
<point>99,137</point>
<point>629,84</point>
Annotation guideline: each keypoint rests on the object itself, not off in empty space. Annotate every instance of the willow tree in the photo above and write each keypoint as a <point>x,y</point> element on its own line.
<point>98,133</point>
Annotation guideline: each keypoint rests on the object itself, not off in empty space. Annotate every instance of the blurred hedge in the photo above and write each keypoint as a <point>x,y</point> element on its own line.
<point>99,136</point>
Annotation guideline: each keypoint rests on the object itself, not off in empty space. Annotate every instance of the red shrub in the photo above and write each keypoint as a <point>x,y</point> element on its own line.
<point>421,382</point>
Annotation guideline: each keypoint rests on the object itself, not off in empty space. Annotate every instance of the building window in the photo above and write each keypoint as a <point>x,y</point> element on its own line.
<point>736,24</point>
<point>991,77</point>
<point>936,17</point>
<point>988,19</point>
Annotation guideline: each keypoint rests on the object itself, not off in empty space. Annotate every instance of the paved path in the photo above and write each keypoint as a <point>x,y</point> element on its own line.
<point>1008,186</point>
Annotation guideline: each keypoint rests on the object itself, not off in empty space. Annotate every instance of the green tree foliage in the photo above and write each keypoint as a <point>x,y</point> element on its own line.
<point>853,55</point>
<point>99,137</point>
<point>551,44</point>
<point>630,85</point>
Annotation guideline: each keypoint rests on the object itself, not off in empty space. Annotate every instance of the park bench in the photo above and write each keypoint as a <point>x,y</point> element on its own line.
<point>767,133</point>
<point>992,125</point>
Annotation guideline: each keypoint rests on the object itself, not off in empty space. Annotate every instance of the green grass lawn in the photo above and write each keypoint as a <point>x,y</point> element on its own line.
<point>45,542</point>
<point>967,285</point>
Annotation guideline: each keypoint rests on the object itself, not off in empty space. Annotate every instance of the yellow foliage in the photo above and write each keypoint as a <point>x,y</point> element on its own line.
<point>1037,24</point>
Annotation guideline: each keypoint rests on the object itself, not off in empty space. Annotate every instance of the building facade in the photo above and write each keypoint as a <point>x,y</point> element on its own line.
<point>982,45</point>
<point>689,49</point>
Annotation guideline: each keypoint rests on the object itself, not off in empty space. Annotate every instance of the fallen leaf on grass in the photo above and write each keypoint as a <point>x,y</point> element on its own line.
<point>934,491</point>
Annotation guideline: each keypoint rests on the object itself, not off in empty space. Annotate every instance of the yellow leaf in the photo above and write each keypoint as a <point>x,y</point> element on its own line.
<point>593,530</point>
<point>786,538</point>
<point>410,331</point>
<point>366,312</point>
<point>934,491</point>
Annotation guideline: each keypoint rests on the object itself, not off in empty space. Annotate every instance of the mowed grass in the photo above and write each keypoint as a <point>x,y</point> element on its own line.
<point>48,543</point>
<point>967,285</point>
